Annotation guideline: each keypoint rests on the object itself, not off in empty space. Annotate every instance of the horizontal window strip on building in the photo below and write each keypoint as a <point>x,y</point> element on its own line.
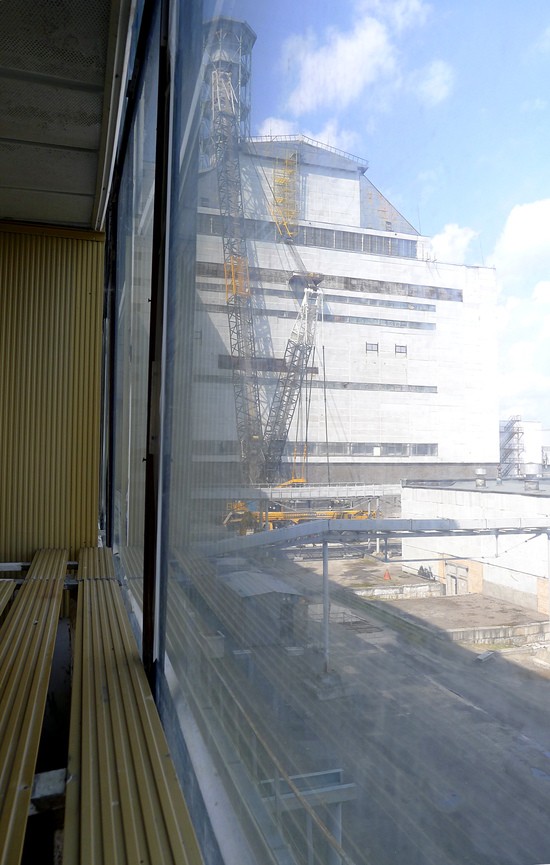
<point>367,449</point>
<point>324,238</point>
<point>262,364</point>
<point>219,288</point>
<point>206,378</point>
<point>336,319</point>
<point>352,449</point>
<point>343,283</point>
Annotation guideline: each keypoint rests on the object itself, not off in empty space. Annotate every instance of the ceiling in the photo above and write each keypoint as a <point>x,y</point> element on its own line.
<point>62,66</point>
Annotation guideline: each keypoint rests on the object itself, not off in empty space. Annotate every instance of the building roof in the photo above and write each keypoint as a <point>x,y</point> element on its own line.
<point>62,85</point>
<point>275,145</point>
<point>528,486</point>
<point>250,583</point>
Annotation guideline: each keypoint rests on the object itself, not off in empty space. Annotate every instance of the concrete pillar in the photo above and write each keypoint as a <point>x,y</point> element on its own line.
<point>326,607</point>
<point>334,825</point>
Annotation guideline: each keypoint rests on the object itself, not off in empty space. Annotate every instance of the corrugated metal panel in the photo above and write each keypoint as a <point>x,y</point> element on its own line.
<point>124,804</point>
<point>50,363</point>
<point>26,653</point>
<point>6,591</point>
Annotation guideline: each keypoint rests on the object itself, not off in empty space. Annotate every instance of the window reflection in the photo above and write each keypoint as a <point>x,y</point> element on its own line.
<point>344,724</point>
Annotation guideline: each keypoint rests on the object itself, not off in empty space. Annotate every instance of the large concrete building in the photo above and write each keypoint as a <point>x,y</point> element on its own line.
<point>403,370</point>
<point>403,377</point>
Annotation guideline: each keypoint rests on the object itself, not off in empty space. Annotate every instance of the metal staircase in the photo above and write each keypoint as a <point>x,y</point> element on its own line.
<point>511,447</point>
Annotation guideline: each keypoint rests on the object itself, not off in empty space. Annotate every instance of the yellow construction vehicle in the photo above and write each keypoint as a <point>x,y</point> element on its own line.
<point>241,519</point>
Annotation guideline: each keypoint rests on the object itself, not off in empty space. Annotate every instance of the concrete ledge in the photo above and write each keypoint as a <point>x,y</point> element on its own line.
<point>397,593</point>
<point>507,635</point>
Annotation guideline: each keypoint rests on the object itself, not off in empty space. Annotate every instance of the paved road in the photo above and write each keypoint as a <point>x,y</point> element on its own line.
<point>451,756</point>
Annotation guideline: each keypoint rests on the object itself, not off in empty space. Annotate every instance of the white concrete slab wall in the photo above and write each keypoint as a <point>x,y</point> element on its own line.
<point>431,379</point>
<point>514,568</point>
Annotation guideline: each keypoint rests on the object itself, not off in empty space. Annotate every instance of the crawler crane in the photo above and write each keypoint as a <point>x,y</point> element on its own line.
<point>236,272</point>
<point>261,447</point>
<point>240,519</point>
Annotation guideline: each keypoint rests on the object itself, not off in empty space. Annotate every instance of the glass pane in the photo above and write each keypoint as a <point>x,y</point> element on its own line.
<point>336,719</point>
<point>134,248</point>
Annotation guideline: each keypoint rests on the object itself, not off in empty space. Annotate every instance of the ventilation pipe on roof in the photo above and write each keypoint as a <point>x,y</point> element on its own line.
<point>480,478</point>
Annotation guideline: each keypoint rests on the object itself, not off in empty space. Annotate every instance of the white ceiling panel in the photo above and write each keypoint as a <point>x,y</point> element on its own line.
<point>61,80</point>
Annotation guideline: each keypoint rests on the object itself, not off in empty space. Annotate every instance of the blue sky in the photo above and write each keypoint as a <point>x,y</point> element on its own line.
<point>449,101</point>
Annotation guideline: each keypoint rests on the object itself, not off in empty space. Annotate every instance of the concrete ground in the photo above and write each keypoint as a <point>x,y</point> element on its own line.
<point>466,611</point>
<point>451,757</point>
<point>444,613</point>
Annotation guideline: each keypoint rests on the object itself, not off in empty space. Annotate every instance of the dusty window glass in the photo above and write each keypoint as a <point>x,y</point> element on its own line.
<point>341,689</point>
<point>133,280</point>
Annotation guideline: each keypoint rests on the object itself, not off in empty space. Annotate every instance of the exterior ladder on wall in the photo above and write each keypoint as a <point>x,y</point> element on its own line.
<point>285,208</point>
<point>511,436</point>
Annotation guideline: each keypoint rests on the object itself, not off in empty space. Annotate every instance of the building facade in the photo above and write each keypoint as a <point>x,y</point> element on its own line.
<point>512,568</point>
<point>402,378</point>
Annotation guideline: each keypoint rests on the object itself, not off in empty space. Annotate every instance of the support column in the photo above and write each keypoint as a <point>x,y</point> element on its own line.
<point>326,607</point>
<point>334,825</point>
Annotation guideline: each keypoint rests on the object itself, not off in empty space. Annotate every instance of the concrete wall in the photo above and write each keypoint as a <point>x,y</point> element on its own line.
<point>514,568</point>
<point>399,593</point>
<point>439,389</point>
<point>51,297</point>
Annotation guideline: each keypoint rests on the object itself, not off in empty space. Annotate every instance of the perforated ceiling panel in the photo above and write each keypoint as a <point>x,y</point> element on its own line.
<point>56,63</point>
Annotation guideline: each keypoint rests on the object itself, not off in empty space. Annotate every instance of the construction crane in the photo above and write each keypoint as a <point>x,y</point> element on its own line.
<point>289,384</point>
<point>236,272</point>
<point>301,342</point>
<point>261,448</point>
<point>242,520</point>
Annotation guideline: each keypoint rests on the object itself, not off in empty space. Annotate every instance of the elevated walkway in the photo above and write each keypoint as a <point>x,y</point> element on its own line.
<point>300,492</point>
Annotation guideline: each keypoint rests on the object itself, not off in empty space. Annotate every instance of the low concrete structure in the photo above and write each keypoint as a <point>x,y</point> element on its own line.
<point>513,569</point>
<point>395,592</point>
<point>474,618</point>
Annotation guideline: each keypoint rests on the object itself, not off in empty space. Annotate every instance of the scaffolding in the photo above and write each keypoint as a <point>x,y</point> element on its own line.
<point>285,208</point>
<point>511,447</point>
<point>225,116</point>
<point>228,45</point>
<point>225,77</point>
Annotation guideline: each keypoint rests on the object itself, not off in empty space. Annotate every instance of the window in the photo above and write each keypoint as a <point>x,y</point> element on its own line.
<point>394,450</point>
<point>424,450</point>
<point>241,656</point>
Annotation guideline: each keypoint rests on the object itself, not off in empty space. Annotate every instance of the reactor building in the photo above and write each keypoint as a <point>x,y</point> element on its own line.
<point>328,341</point>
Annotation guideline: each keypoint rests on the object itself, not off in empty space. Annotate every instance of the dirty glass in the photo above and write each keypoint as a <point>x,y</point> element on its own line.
<point>354,598</point>
<point>134,234</point>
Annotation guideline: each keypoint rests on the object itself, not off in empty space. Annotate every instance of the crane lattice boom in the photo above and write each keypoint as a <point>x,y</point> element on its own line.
<point>289,383</point>
<point>237,279</point>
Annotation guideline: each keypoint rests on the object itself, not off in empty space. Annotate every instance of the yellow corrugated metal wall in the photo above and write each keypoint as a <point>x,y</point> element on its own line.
<point>51,287</point>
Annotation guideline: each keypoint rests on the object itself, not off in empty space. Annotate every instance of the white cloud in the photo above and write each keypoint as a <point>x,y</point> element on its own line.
<point>522,260</point>
<point>522,252</point>
<point>542,44</point>
<point>277,126</point>
<point>405,13</point>
<point>434,83</point>
<point>334,71</point>
<point>541,291</point>
<point>401,13</point>
<point>451,245</point>
<point>330,133</point>
<point>534,106</point>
